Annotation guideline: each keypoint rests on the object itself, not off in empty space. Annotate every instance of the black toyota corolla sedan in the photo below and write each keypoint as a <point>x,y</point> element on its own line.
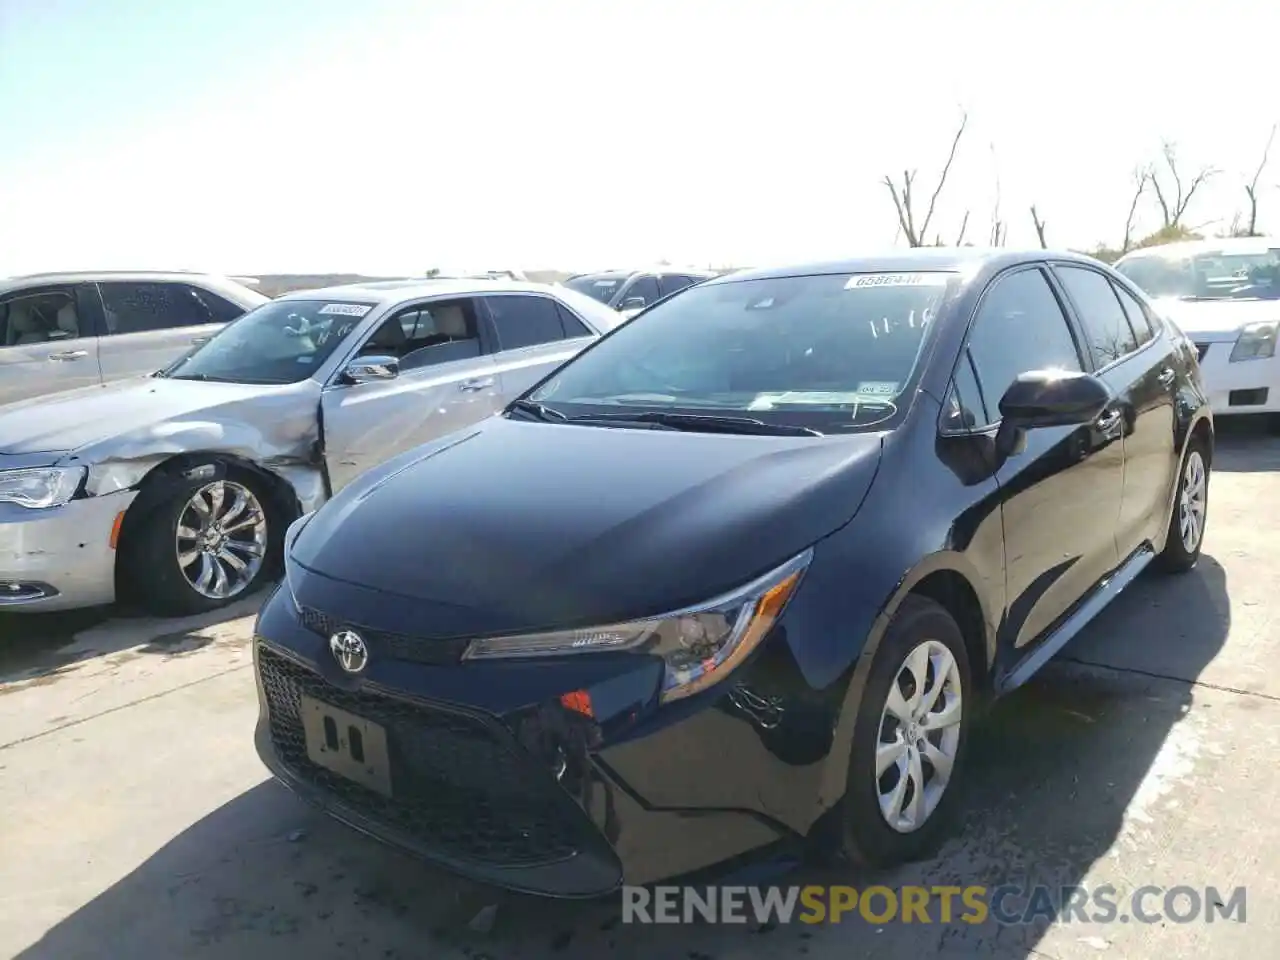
<point>737,575</point>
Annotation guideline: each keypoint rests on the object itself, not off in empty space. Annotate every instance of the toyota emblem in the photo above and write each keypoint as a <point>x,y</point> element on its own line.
<point>349,649</point>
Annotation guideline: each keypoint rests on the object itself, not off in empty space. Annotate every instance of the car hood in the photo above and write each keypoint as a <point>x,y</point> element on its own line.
<point>521,526</point>
<point>1213,320</point>
<point>146,413</point>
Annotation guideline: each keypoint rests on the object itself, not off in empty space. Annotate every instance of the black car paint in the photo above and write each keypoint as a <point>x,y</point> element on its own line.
<point>596,524</point>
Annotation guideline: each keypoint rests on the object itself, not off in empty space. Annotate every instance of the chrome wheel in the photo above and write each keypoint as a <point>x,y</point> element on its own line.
<point>919,736</point>
<point>1192,501</point>
<point>221,539</point>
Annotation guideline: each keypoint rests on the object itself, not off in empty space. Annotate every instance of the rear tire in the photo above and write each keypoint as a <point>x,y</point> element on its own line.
<point>1190,511</point>
<point>909,740</point>
<point>206,544</point>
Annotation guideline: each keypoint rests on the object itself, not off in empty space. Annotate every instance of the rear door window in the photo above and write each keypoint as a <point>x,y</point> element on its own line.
<point>1139,319</point>
<point>1105,325</point>
<point>524,321</point>
<point>141,307</point>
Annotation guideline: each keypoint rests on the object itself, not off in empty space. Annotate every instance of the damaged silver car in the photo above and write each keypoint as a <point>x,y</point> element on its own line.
<point>175,489</point>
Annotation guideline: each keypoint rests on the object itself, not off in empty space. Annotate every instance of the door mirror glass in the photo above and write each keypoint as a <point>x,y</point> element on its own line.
<point>1053,398</point>
<point>632,303</point>
<point>370,369</point>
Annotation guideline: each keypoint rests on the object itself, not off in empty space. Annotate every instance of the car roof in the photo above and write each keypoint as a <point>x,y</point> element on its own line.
<point>668,268</point>
<point>1191,248</point>
<point>956,259</point>
<point>391,292</point>
<point>92,276</point>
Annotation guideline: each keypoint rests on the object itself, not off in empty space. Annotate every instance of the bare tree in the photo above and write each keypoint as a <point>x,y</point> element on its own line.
<point>964,225</point>
<point>1252,187</point>
<point>904,200</point>
<point>1174,197</point>
<point>1141,177</point>
<point>999,229</point>
<point>1035,218</point>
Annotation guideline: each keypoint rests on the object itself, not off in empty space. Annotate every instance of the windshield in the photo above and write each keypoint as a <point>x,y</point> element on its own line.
<point>598,286</point>
<point>828,352</point>
<point>1208,275</point>
<point>283,341</point>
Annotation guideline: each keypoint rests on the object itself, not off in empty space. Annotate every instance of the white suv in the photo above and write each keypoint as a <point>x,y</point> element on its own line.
<point>59,331</point>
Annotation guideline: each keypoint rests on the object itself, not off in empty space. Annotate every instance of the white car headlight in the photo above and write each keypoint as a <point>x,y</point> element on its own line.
<point>699,645</point>
<point>44,487</point>
<point>1257,341</point>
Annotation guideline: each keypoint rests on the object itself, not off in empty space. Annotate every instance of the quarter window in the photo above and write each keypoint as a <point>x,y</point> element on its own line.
<point>1019,327</point>
<point>964,409</point>
<point>1105,325</point>
<point>139,307</point>
<point>525,321</point>
<point>572,326</point>
<point>671,282</point>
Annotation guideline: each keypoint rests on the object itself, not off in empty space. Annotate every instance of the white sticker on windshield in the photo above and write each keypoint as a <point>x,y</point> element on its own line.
<point>605,283</point>
<point>344,309</point>
<point>878,388</point>
<point>933,279</point>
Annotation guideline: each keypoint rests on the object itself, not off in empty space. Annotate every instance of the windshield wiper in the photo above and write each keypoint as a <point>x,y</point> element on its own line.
<point>703,422</point>
<point>539,410</point>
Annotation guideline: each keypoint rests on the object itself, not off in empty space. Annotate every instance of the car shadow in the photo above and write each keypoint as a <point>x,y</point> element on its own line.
<point>1062,772</point>
<point>1245,445</point>
<point>42,646</point>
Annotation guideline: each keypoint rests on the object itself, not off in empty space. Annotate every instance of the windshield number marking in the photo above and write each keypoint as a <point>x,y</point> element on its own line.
<point>344,310</point>
<point>896,280</point>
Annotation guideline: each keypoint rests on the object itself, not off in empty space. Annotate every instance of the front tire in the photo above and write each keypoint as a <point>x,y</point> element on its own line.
<point>909,739</point>
<point>1190,511</point>
<point>207,544</point>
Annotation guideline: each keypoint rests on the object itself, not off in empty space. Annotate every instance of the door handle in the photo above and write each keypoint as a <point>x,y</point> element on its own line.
<point>69,355</point>
<point>1108,422</point>
<point>1166,376</point>
<point>476,383</point>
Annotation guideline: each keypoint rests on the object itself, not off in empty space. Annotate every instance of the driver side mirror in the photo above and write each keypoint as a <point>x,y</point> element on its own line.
<point>632,303</point>
<point>1048,398</point>
<point>371,369</point>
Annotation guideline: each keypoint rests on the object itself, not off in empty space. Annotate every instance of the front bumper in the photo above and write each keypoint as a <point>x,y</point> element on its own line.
<point>1248,386</point>
<point>59,558</point>
<point>494,779</point>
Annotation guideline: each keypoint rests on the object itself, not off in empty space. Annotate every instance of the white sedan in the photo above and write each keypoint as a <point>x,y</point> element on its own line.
<point>1225,296</point>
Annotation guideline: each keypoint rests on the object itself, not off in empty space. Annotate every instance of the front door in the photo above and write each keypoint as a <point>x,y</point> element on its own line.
<point>1139,367</point>
<point>445,383</point>
<point>1061,492</point>
<point>48,341</point>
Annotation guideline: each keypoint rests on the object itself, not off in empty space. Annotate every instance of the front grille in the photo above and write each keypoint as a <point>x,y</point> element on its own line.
<point>381,643</point>
<point>460,786</point>
<point>1201,350</point>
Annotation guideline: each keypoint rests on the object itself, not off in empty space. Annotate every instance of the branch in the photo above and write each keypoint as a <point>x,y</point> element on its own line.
<point>964,225</point>
<point>902,204</point>
<point>1252,188</point>
<point>1141,176</point>
<point>1035,218</point>
<point>942,179</point>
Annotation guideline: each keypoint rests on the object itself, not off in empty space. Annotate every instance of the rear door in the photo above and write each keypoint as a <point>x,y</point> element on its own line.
<point>446,382</point>
<point>1139,367</point>
<point>149,324</point>
<point>48,340</point>
<point>533,334</point>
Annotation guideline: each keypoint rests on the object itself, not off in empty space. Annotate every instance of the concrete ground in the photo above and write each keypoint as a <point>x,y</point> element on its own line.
<point>138,823</point>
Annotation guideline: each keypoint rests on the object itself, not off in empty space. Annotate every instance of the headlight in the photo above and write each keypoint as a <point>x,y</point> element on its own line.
<point>1257,341</point>
<point>46,487</point>
<point>699,645</point>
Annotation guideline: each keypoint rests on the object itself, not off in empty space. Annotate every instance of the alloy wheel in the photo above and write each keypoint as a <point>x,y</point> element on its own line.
<point>221,539</point>
<point>919,736</point>
<point>1192,501</point>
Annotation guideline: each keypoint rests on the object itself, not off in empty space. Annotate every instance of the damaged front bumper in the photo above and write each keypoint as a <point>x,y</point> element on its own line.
<point>59,558</point>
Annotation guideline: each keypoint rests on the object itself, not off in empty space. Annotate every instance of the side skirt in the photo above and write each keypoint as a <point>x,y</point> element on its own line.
<point>1086,610</point>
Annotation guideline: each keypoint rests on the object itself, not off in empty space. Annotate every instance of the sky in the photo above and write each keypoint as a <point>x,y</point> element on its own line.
<point>264,136</point>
